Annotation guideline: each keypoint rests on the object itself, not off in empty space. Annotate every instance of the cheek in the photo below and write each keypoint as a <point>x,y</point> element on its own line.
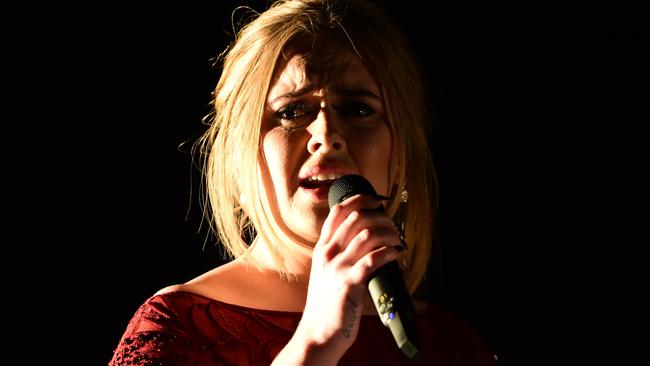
<point>374,157</point>
<point>279,154</point>
<point>274,155</point>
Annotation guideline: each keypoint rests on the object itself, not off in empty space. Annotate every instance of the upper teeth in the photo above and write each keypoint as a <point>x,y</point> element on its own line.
<point>323,177</point>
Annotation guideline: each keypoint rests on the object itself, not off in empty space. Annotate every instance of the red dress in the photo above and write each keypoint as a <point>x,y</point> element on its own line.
<point>183,328</point>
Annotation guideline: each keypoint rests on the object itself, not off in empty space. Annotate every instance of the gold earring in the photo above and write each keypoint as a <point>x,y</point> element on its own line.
<point>404,196</point>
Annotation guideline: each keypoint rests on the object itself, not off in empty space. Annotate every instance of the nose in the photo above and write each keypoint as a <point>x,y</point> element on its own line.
<point>327,133</point>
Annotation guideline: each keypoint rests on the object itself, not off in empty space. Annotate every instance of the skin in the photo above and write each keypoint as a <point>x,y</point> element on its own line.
<point>340,125</point>
<point>313,120</point>
<point>335,121</point>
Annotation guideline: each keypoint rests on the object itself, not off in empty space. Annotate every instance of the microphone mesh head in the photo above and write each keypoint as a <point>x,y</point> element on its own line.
<point>347,186</point>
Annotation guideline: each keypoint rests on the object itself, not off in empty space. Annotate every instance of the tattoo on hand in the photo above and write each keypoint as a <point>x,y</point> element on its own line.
<point>353,318</point>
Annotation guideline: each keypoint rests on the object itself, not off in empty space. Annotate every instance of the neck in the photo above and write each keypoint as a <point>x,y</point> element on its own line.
<point>296,283</point>
<point>260,254</point>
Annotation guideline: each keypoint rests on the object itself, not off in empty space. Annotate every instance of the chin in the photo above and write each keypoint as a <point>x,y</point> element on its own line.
<point>308,229</point>
<point>305,220</point>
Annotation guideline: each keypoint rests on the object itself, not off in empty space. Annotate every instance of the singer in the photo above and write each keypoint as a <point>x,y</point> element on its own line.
<point>310,91</point>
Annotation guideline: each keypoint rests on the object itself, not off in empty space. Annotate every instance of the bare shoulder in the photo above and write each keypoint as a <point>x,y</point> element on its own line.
<point>233,282</point>
<point>225,276</point>
<point>203,283</point>
<point>172,288</point>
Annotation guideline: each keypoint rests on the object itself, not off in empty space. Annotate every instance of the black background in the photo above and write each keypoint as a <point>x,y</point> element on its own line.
<point>535,113</point>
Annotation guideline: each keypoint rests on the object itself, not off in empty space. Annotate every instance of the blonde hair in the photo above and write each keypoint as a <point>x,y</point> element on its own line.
<point>230,147</point>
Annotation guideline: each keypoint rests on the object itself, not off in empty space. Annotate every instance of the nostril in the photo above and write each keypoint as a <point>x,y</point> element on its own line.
<point>325,142</point>
<point>314,147</point>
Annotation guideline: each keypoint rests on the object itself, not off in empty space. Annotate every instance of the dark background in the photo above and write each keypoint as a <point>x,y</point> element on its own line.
<point>535,116</point>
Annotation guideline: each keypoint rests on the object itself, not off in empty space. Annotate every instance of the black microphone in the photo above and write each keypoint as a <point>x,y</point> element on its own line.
<point>386,285</point>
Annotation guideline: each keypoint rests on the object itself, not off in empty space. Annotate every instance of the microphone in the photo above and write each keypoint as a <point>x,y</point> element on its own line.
<point>386,285</point>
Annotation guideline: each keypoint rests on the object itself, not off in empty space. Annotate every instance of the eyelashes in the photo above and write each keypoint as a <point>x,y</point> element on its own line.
<point>292,111</point>
<point>297,114</point>
<point>354,109</point>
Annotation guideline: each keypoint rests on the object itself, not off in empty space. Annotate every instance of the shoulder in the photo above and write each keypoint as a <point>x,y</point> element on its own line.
<point>235,282</point>
<point>220,284</point>
<point>172,308</point>
<point>164,311</point>
<point>163,330</point>
<point>165,291</point>
<point>215,284</point>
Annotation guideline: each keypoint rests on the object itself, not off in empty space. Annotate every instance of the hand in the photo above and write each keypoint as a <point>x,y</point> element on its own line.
<point>355,240</point>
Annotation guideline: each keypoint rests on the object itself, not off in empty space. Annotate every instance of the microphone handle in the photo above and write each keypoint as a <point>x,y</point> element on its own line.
<point>394,306</point>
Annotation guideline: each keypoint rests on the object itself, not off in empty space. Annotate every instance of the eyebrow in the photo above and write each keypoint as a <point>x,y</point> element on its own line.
<point>355,92</point>
<point>296,93</point>
<point>346,92</point>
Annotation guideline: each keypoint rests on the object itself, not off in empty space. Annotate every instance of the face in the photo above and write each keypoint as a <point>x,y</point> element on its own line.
<point>323,120</point>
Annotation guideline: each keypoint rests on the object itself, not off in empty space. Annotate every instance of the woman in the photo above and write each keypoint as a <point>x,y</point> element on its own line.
<point>311,90</point>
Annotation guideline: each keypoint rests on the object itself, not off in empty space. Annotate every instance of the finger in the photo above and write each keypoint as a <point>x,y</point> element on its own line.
<point>369,263</point>
<point>338,241</point>
<point>365,201</point>
<point>358,221</point>
<point>364,220</point>
<point>334,241</point>
<point>341,211</point>
<point>370,239</point>
<point>333,220</point>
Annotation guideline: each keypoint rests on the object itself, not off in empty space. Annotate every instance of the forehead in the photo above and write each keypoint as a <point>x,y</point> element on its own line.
<point>319,66</point>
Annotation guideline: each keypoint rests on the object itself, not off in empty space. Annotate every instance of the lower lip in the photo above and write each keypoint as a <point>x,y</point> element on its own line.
<point>316,194</point>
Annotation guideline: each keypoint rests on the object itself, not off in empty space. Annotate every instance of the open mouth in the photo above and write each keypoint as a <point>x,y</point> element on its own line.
<point>318,186</point>
<point>316,183</point>
<point>319,180</point>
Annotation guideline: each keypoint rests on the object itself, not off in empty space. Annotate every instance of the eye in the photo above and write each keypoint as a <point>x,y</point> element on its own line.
<point>291,112</point>
<point>355,109</point>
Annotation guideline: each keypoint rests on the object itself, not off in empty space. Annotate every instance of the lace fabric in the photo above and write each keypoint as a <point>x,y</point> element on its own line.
<point>182,328</point>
